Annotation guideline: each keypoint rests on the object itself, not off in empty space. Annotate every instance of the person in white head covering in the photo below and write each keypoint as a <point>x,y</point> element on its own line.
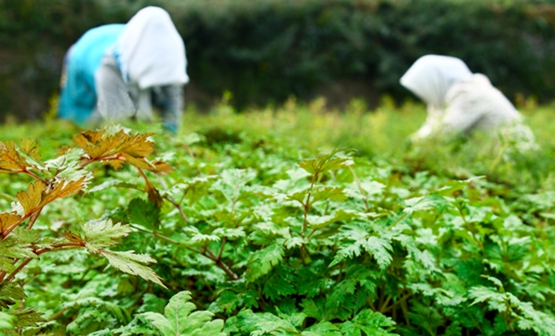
<point>460,102</point>
<point>127,69</point>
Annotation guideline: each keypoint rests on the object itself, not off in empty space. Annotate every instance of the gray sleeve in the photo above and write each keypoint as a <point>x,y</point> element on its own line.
<point>144,105</point>
<point>170,101</point>
<point>113,101</point>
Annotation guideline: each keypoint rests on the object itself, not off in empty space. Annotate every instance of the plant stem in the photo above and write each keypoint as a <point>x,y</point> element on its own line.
<point>56,247</point>
<point>177,206</point>
<point>12,227</point>
<point>362,191</point>
<point>58,314</point>
<point>398,220</point>
<point>394,305</point>
<point>498,158</point>
<point>307,203</point>
<point>382,307</point>
<point>476,241</point>
<point>311,233</point>
<point>35,176</point>
<point>33,218</point>
<point>222,247</point>
<point>168,239</point>
<point>170,199</point>
<point>207,252</point>
<point>19,268</point>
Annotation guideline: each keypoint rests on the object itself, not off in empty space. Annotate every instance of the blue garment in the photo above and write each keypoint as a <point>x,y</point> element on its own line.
<point>78,97</point>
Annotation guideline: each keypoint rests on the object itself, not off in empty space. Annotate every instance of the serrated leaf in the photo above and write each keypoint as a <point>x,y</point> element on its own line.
<point>39,194</point>
<point>10,293</point>
<point>100,144</point>
<point>324,163</point>
<point>258,324</point>
<point>328,193</point>
<point>6,322</point>
<point>198,238</point>
<point>372,187</point>
<point>319,222</point>
<point>134,264</point>
<point>423,203</point>
<point>31,199</point>
<point>347,252</point>
<point>17,245</point>
<point>26,317</point>
<point>261,262</point>
<point>100,234</point>
<point>179,319</point>
<point>143,213</point>
<point>9,219</point>
<point>62,189</point>
<point>11,161</point>
<point>136,327</point>
<point>322,329</point>
<point>369,322</point>
<point>381,251</point>
<point>113,147</point>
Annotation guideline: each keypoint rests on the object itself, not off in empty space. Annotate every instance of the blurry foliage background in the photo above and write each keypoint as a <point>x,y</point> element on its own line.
<point>266,50</point>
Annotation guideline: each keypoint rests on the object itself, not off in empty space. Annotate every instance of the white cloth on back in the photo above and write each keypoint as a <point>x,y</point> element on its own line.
<point>477,105</point>
<point>152,52</point>
<point>148,61</point>
<point>461,102</point>
<point>431,76</point>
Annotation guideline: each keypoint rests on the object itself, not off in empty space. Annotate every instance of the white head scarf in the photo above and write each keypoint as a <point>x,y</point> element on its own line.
<point>431,76</point>
<point>151,50</point>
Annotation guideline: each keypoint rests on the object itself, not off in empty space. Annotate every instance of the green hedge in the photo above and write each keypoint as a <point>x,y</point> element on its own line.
<point>264,51</point>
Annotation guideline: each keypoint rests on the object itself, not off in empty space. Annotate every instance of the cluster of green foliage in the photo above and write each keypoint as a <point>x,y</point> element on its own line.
<point>239,229</point>
<point>263,51</point>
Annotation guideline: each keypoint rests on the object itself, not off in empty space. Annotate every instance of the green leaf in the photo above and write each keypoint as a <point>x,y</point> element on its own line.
<point>261,262</point>
<point>25,317</point>
<point>100,234</point>
<point>372,187</point>
<point>380,249</point>
<point>324,163</point>
<point>179,319</point>
<point>347,252</point>
<point>196,238</point>
<point>17,246</point>
<point>10,293</point>
<point>369,322</point>
<point>259,324</point>
<point>134,264</point>
<point>143,213</point>
<point>327,193</point>
<point>6,321</point>
<point>322,329</point>
<point>423,203</point>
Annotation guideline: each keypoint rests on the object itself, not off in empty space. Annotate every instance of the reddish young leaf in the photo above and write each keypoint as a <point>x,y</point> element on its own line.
<point>8,219</point>
<point>32,199</point>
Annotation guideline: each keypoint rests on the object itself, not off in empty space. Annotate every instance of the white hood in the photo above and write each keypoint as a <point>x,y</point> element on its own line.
<point>151,50</point>
<point>431,76</point>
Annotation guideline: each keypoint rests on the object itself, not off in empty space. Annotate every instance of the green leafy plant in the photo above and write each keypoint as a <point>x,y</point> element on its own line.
<point>260,233</point>
<point>58,178</point>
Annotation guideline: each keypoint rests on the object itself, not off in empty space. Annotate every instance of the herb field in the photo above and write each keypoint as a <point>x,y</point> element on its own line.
<point>281,221</point>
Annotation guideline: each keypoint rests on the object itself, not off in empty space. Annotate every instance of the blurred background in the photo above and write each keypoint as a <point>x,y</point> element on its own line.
<point>265,51</point>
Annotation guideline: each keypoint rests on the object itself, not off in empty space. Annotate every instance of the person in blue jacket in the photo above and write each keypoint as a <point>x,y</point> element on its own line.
<point>118,71</point>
